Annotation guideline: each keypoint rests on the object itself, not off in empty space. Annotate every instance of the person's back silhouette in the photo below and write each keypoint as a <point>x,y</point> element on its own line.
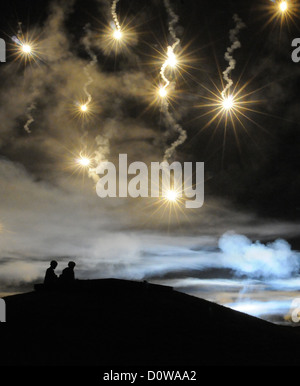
<point>50,276</point>
<point>68,275</point>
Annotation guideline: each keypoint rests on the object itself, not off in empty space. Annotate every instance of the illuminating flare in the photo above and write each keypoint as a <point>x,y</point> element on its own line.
<point>26,48</point>
<point>118,34</point>
<point>283,6</point>
<point>84,161</point>
<point>228,103</point>
<point>171,61</point>
<point>162,92</point>
<point>171,196</point>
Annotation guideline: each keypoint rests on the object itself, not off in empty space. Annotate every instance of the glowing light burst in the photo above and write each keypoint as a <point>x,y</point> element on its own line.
<point>171,196</point>
<point>231,106</point>
<point>169,207</point>
<point>84,108</point>
<point>84,161</point>
<point>162,92</point>
<point>228,103</point>
<point>174,70</point>
<point>282,11</point>
<point>79,158</point>
<point>283,6</point>
<point>231,111</point>
<point>117,37</point>
<point>117,40</point>
<point>171,60</point>
<point>25,49</point>
<point>118,34</point>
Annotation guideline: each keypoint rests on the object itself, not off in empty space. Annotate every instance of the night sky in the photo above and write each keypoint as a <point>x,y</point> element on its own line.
<point>49,208</point>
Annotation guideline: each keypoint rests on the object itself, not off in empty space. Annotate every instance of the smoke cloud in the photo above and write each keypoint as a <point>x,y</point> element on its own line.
<point>258,260</point>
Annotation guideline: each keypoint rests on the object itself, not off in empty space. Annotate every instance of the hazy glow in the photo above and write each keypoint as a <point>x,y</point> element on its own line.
<point>283,6</point>
<point>83,108</point>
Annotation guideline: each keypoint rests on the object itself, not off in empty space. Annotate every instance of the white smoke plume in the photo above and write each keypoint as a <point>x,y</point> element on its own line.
<point>256,259</point>
<point>114,14</point>
<point>101,154</point>
<point>30,118</point>
<point>171,121</point>
<point>173,21</point>
<point>233,36</point>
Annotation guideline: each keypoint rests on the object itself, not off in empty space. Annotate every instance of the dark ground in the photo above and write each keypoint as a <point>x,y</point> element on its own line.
<point>117,323</point>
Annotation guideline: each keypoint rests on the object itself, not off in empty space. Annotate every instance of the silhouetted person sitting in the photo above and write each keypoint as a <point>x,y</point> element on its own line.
<point>50,276</point>
<point>68,275</point>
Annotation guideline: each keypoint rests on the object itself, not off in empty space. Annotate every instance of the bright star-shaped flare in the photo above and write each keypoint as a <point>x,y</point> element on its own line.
<point>118,34</point>
<point>119,39</point>
<point>162,92</point>
<point>171,195</point>
<point>26,48</point>
<point>80,162</point>
<point>84,161</point>
<point>282,12</point>
<point>83,109</point>
<point>283,6</point>
<point>228,103</point>
<point>171,61</point>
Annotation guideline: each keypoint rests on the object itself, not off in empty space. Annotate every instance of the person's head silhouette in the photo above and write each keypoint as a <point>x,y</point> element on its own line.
<point>71,264</point>
<point>53,264</point>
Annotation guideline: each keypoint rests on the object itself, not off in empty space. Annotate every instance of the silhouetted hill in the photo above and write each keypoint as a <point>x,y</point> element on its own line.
<point>117,322</point>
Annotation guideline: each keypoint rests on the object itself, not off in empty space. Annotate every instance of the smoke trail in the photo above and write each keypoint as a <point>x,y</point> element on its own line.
<point>233,36</point>
<point>114,14</point>
<point>170,51</point>
<point>174,125</point>
<point>170,120</point>
<point>92,63</point>
<point>173,21</point>
<point>29,118</point>
<point>20,37</point>
<point>163,75</point>
<point>101,154</point>
<point>16,40</point>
